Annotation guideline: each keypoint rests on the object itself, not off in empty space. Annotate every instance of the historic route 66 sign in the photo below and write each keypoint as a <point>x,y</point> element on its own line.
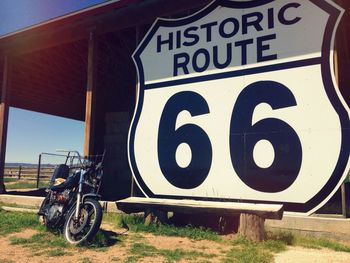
<point>238,102</point>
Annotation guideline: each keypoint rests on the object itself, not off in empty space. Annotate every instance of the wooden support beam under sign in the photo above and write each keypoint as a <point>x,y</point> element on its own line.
<point>187,206</point>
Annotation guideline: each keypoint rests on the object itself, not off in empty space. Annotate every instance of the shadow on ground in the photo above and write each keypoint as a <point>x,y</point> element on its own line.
<point>35,192</point>
<point>104,239</point>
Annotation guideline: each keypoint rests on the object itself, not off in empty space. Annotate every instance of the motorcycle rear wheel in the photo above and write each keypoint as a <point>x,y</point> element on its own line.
<point>85,228</point>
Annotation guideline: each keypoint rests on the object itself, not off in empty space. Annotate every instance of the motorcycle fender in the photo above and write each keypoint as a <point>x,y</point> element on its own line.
<point>93,196</point>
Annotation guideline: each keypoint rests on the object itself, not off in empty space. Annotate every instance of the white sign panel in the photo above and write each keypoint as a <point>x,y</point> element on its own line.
<point>238,103</point>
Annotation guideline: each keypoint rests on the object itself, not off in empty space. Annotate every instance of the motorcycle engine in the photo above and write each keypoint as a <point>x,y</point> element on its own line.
<point>62,197</point>
<point>54,213</point>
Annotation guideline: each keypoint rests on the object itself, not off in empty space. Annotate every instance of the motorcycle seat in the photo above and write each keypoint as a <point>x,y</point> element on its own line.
<point>61,171</point>
<point>69,183</point>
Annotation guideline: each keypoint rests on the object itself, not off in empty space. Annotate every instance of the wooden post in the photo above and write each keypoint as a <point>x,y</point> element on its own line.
<point>344,205</point>
<point>90,106</point>
<point>4,111</point>
<point>38,172</point>
<point>19,172</point>
<point>252,227</point>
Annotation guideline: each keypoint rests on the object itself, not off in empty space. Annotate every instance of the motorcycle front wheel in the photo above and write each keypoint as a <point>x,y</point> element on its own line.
<point>77,231</point>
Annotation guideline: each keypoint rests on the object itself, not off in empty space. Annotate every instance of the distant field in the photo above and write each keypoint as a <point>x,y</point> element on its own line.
<point>24,177</point>
<point>28,172</point>
<point>24,184</point>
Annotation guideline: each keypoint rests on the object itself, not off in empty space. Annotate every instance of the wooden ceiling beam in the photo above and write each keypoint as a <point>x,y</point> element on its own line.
<point>62,80</point>
<point>51,102</point>
<point>71,113</point>
<point>41,83</point>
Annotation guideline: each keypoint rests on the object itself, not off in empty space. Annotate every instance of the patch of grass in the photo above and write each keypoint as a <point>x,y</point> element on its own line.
<point>47,240</point>
<point>25,184</point>
<point>317,243</point>
<point>244,250</point>
<point>294,239</point>
<point>285,237</point>
<point>136,223</point>
<point>237,250</point>
<point>44,243</point>
<point>85,260</point>
<point>10,179</point>
<point>17,205</point>
<point>247,253</point>
<point>15,222</point>
<point>135,237</point>
<point>19,241</point>
<point>143,250</point>
<point>41,240</point>
<point>274,246</point>
<point>58,252</point>
<point>102,240</point>
<point>179,254</point>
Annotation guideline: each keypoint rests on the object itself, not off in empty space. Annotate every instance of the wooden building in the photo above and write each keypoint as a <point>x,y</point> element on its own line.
<point>80,67</point>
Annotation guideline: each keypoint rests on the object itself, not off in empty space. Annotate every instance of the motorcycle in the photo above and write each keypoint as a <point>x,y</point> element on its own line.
<point>72,201</point>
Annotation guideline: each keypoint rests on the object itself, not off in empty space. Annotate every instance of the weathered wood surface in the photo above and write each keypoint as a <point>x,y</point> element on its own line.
<point>90,105</point>
<point>140,204</point>
<point>252,227</point>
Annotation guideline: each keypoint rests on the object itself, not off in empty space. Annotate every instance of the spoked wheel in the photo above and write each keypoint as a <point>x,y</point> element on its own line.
<point>77,231</point>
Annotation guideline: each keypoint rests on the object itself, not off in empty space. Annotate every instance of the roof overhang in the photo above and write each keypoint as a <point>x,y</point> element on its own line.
<point>70,17</point>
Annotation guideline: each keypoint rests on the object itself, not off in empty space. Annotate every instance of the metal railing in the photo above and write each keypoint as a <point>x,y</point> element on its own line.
<point>70,158</point>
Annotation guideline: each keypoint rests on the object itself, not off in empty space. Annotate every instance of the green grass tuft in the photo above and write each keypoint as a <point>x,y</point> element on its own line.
<point>143,250</point>
<point>244,250</point>
<point>17,205</point>
<point>247,253</point>
<point>287,238</point>
<point>294,239</point>
<point>44,243</point>
<point>58,252</point>
<point>10,179</point>
<point>237,250</point>
<point>12,222</point>
<point>41,240</point>
<point>274,246</point>
<point>136,223</point>
<point>25,185</point>
<point>85,260</point>
<point>318,243</point>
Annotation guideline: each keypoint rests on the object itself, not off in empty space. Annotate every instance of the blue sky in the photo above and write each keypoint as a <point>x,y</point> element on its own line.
<point>31,133</point>
<point>18,14</point>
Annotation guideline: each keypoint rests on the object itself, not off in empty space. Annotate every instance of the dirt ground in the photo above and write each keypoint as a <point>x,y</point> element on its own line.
<point>304,255</point>
<point>119,252</point>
